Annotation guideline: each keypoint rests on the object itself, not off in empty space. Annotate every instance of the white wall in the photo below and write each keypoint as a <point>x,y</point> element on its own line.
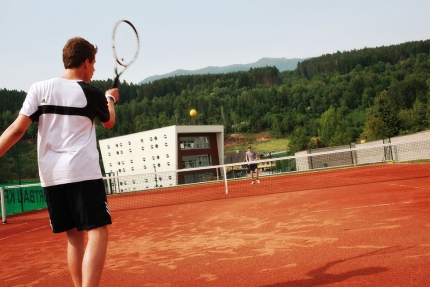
<point>138,154</point>
<point>139,158</point>
<point>412,147</point>
<point>402,148</point>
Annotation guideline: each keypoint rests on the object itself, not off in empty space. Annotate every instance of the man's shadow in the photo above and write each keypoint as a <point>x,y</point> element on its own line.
<point>320,277</point>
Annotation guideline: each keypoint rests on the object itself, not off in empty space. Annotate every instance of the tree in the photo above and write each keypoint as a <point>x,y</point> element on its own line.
<point>332,129</point>
<point>419,113</point>
<point>298,140</point>
<point>375,129</point>
<point>328,127</point>
<point>8,168</point>
<point>275,130</point>
<point>383,120</point>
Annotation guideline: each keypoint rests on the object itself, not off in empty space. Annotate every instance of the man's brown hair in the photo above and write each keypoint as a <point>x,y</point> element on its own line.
<point>76,51</point>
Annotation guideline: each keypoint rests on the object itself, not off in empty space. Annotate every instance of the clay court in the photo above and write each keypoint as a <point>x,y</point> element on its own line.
<point>285,231</point>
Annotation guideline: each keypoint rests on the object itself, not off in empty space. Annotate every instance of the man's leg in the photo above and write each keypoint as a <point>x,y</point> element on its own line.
<point>256,175</point>
<point>75,254</point>
<point>95,255</point>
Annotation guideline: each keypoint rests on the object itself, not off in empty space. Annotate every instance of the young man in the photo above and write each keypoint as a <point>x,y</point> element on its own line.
<point>65,109</point>
<point>251,156</point>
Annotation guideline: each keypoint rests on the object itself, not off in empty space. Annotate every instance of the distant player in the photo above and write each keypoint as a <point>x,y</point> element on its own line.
<point>250,157</point>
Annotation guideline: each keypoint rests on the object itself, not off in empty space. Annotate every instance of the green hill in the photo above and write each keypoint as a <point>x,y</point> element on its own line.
<point>330,100</point>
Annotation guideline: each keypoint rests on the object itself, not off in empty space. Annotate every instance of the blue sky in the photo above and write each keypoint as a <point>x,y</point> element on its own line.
<point>193,34</point>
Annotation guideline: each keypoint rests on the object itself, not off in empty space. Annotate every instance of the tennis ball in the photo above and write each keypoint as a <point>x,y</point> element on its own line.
<point>193,113</point>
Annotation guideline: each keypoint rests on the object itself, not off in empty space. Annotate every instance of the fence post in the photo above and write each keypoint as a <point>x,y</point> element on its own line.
<point>351,146</point>
<point>391,149</point>
<point>310,158</point>
<point>225,179</point>
<point>3,206</point>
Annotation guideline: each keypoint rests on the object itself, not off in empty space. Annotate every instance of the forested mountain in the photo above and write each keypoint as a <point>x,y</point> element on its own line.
<point>330,100</point>
<point>281,64</point>
<point>345,62</point>
<point>11,100</point>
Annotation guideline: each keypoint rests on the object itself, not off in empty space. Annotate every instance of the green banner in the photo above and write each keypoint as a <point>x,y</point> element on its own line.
<point>24,199</point>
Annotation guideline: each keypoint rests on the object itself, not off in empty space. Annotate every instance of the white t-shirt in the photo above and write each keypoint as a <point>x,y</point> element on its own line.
<point>66,143</point>
<point>251,156</point>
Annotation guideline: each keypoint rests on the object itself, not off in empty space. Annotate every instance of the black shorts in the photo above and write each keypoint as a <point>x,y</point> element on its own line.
<point>252,166</point>
<point>80,204</point>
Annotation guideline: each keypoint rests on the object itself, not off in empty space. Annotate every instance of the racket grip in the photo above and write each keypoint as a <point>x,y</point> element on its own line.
<point>115,82</point>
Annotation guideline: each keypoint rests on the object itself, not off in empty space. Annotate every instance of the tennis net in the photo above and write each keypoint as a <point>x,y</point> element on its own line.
<point>307,170</point>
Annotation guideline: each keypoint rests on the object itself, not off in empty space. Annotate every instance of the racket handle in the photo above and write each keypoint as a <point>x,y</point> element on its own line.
<point>115,82</point>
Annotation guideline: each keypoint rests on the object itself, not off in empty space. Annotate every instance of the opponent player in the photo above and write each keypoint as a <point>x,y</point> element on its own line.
<point>251,156</point>
<point>66,108</point>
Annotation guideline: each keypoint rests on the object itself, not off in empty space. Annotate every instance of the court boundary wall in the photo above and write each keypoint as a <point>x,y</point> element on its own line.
<point>397,149</point>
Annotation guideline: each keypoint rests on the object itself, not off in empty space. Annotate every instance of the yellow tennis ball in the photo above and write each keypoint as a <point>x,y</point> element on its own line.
<point>193,113</point>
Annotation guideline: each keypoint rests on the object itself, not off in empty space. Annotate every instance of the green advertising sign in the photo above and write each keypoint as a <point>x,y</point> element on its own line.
<point>23,199</point>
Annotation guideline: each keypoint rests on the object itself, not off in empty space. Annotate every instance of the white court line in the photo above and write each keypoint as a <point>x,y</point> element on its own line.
<point>378,205</point>
<point>9,226</point>
<point>24,232</point>
<point>38,242</point>
<point>415,187</point>
<point>366,206</point>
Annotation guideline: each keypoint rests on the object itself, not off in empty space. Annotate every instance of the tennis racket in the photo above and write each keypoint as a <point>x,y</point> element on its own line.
<point>125,47</point>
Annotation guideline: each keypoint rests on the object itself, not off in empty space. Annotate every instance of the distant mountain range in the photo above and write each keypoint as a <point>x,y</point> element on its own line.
<point>281,63</point>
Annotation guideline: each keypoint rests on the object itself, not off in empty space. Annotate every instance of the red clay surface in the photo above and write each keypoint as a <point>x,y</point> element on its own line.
<point>362,234</point>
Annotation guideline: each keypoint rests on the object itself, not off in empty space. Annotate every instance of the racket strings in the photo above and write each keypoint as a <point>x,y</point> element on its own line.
<point>125,44</point>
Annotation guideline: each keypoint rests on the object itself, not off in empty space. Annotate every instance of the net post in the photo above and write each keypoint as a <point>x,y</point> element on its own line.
<point>225,179</point>
<point>3,206</point>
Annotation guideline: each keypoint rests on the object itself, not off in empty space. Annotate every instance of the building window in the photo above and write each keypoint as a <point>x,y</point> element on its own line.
<point>196,161</point>
<point>194,142</point>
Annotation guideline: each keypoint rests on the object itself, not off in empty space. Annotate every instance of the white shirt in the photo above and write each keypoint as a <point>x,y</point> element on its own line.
<point>67,147</point>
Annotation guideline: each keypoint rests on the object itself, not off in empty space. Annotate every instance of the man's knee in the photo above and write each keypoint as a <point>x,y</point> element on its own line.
<point>75,237</point>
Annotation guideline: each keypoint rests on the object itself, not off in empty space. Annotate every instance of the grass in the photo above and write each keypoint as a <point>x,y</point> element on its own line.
<point>270,145</point>
<point>260,143</point>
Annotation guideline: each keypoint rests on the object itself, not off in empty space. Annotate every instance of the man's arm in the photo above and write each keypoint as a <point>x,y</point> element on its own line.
<point>13,133</point>
<point>109,94</point>
<point>111,122</point>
